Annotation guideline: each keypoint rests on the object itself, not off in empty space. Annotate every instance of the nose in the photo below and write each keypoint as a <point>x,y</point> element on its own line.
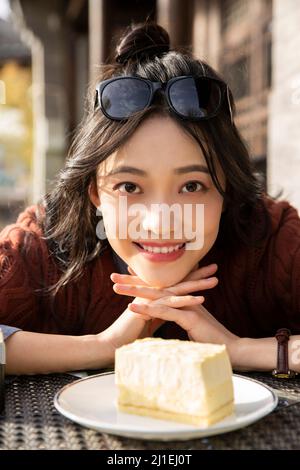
<point>161,221</point>
<point>151,222</point>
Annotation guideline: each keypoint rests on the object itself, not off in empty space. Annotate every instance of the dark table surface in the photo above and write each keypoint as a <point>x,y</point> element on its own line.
<point>31,421</point>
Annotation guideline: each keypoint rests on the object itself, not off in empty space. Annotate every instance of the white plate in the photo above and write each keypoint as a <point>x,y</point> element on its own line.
<point>91,403</point>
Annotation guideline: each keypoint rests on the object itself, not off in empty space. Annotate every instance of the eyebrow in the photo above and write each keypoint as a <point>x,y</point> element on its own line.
<point>178,171</point>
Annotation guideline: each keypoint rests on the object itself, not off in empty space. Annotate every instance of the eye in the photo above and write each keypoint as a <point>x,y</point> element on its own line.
<point>127,187</point>
<point>193,187</point>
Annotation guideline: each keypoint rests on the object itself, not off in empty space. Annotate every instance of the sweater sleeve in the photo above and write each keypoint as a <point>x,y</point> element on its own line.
<point>285,272</point>
<point>18,257</point>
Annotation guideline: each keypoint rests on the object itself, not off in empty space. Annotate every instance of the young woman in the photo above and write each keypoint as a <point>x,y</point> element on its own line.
<point>158,131</point>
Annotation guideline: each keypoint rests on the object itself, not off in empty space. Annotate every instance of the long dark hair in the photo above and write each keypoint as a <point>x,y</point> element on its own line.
<point>69,220</point>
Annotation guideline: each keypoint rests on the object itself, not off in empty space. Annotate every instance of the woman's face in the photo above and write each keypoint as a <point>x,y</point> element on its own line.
<point>159,164</point>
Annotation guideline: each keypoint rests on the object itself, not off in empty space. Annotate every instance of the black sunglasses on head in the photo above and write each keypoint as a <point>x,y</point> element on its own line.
<point>190,97</point>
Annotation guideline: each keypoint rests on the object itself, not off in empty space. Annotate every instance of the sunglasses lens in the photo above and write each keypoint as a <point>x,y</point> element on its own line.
<point>125,96</point>
<point>197,97</point>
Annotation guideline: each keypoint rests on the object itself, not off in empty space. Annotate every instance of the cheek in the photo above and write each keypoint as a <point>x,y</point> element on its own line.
<point>212,215</point>
<point>205,224</point>
<point>115,229</point>
<point>211,223</point>
<point>110,213</point>
<point>115,215</point>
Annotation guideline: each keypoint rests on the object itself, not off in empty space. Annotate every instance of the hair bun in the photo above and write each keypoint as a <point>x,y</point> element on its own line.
<point>143,40</point>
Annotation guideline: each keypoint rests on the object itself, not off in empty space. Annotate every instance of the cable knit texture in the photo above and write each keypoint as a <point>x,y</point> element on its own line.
<point>258,290</point>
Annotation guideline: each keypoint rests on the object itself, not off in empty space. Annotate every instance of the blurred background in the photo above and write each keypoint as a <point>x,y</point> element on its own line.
<point>49,52</point>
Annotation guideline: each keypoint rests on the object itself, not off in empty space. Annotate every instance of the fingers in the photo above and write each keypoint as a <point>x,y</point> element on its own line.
<point>172,301</point>
<point>145,292</point>
<point>127,279</point>
<point>194,286</point>
<point>133,286</point>
<point>187,319</point>
<point>154,293</point>
<point>180,301</point>
<point>201,273</point>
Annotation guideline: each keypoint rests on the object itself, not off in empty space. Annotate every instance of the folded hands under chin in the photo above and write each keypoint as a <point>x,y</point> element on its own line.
<point>176,304</point>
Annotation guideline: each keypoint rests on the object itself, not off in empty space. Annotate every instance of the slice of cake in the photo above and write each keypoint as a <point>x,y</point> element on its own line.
<point>176,380</point>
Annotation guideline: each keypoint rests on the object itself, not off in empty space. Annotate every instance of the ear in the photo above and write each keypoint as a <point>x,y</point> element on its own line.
<point>93,194</point>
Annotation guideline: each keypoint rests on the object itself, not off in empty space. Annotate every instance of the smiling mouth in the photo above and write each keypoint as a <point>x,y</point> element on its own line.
<point>160,248</point>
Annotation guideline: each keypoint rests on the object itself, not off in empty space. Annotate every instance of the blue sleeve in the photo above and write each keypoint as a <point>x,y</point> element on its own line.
<point>8,330</point>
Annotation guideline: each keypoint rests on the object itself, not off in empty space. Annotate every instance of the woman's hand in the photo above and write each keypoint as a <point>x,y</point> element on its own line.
<point>198,279</point>
<point>131,325</point>
<point>199,324</point>
<point>168,305</point>
<point>131,285</point>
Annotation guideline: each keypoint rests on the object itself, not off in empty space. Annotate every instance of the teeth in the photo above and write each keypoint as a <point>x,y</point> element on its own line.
<point>163,249</point>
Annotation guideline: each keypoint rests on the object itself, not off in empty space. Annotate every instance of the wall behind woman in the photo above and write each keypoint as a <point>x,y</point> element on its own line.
<point>284,109</point>
<point>254,43</point>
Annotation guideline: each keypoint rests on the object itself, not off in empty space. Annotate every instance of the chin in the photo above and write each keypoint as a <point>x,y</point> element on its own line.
<point>159,282</point>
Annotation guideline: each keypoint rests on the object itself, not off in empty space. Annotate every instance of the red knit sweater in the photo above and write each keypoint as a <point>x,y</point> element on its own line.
<point>258,290</point>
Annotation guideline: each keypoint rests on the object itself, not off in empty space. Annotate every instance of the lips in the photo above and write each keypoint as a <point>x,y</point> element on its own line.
<point>161,251</point>
<point>160,247</point>
<point>164,243</point>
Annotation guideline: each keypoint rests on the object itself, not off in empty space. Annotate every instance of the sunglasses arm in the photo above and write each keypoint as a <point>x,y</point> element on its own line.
<point>97,101</point>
